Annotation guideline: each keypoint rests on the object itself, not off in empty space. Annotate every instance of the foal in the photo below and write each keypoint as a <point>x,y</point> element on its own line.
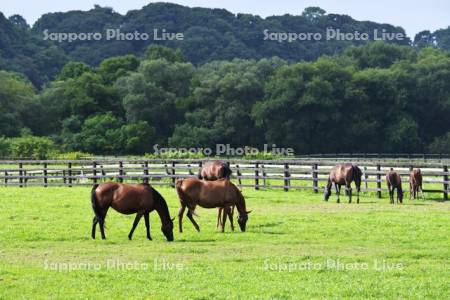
<point>415,184</point>
<point>210,194</point>
<point>394,181</point>
<point>139,199</point>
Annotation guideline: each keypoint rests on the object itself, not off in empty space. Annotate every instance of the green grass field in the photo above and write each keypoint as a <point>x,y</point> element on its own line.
<point>296,246</point>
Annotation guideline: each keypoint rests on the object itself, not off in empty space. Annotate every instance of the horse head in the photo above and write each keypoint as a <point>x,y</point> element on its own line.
<point>167,229</point>
<point>242,220</point>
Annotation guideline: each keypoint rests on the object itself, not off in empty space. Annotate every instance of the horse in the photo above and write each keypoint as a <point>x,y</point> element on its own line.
<point>344,174</point>
<point>216,170</point>
<point>210,194</point>
<point>139,199</point>
<point>415,184</point>
<point>394,181</point>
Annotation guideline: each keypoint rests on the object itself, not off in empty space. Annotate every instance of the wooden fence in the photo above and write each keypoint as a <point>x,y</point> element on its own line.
<point>259,174</point>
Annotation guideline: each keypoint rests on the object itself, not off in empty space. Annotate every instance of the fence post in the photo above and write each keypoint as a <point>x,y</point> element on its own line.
<point>45,175</point>
<point>366,177</point>
<point>238,175</point>
<point>200,166</point>
<point>69,167</point>
<point>257,176</point>
<point>287,174</point>
<point>378,181</point>
<point>264,174</point>
<point>21,174</point>
<point>6,178</point>
<point>315,178</point>
<point>120,171</point>
<point>446,183</point>
<point>94,171</point>
<point>146,179</point>
<point>173,174</point>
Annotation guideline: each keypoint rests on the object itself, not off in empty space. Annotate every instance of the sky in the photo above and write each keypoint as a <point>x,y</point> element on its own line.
<point>413,15</point>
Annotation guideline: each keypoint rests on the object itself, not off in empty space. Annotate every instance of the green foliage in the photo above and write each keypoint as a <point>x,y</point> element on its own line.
<point>75,155</point>
<point>16,98</point>
<point>440,144</point>
<point>155,52</point>
<point>31,147</point>
<point>73,69</point>
<point>5,147</point>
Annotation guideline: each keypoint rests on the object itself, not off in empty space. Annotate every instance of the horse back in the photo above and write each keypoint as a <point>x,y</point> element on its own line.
<point>126,198</point>
<point>393,179</point>
<point>416,177</point>
<point>342,173</point>
<point>214,170</point>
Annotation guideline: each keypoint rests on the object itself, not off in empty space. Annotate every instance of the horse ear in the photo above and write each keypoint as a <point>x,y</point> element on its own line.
<point>248,212</point>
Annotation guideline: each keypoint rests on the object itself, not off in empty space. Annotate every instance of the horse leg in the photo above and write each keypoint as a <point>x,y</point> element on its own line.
<point>348,188</point>
<point>230,216</point>
<point>224,217</point>
<point>358,190</point>
<point>94,225</point>
<point>219,215</point>
<point>338,191</point>
<point>135,223</point>
<point>189,215</point>
<point>180,217</point>
<point>101,222</point>
<point>147,225</point>
<point>412,192</point>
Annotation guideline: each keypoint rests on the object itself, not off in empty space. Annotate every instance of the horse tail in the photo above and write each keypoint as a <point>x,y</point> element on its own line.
<point>94,203</point>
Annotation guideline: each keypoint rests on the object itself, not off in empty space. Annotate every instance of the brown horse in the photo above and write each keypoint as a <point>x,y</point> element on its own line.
<point>139,199</point>
<point>210,194</point>
<point>394,181</point>
<point>415,184</point>
<point>216,170</point>
<point>344,174</point>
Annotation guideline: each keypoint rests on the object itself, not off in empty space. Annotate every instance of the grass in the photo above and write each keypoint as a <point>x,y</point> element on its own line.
<point>296,246</point>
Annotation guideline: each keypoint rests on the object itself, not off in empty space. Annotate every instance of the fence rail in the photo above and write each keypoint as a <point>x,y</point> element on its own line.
<point>259,174</point>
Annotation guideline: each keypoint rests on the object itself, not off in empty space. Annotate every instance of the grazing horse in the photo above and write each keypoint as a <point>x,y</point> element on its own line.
<point>139,199</point>
<point>210,194</point>
<point>216,170</point>
<point>344,174</point>
<point>415,184</point>
<point>394,181</point>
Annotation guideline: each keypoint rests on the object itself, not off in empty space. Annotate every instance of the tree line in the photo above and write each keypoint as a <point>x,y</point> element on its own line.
<point>209,35</point>
<point>373,98</point>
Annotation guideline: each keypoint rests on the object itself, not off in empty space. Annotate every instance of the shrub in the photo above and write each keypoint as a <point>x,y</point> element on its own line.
<point>31,147</point>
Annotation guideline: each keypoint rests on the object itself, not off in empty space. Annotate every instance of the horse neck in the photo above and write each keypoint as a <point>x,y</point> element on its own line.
<point>162,210</point>
<point>240,204</point>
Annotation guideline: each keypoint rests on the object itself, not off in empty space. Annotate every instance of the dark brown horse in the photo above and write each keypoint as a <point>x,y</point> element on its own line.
<point>210,194</point>
<point>139,199</point>
<point>394,181</point>
<point>344,174</point>
<point>415,184</point>
<point>216,170</point>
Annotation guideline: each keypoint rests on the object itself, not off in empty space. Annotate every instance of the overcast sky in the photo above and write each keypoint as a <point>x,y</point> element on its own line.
<point>412,15</point>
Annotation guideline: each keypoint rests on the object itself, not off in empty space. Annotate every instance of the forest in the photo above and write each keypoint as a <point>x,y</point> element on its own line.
<point>222,85</point>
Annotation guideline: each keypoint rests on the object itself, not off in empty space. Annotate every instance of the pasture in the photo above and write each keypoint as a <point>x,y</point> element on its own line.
<point>296,246</point>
